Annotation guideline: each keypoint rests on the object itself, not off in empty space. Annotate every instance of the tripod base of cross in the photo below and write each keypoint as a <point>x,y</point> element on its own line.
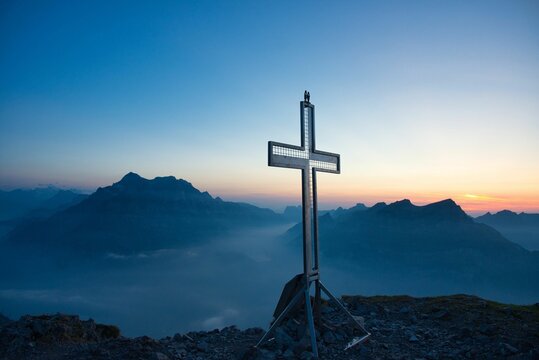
<point>300,288</point>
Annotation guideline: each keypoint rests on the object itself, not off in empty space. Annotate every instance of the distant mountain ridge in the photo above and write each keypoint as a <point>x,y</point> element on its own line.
<point>397,243</point>
<point>137,214</point>
<point>60,201</point>
<point>20,206</point>
<point>16,202</point>
<point>438,243</point>
<point>445,210</point>
<point>294,213</point>
<point>522,228</point>
<point>510,218</point>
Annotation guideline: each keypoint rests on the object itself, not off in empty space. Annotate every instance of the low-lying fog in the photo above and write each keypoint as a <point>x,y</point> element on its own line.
<point>230,281</point>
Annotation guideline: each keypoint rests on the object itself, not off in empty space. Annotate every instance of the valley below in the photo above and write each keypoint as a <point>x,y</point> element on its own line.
<point>159,257</point>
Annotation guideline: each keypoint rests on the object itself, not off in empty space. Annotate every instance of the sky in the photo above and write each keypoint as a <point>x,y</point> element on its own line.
<point>424,100</point>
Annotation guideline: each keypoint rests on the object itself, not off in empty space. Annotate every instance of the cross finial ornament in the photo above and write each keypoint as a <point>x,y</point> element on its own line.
<point>307,97</point>
<point>309,160</point>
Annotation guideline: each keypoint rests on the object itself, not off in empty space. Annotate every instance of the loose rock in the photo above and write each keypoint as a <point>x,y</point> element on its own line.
<point>456,327</point>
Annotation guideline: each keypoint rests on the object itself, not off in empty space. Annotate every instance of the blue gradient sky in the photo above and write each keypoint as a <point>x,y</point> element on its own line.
<point>424,100</point>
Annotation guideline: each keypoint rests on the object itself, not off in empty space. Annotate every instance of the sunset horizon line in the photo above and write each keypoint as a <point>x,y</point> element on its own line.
<point>472,203</point>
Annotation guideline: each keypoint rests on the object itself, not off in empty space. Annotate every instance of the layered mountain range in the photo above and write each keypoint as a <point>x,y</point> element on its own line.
<point>521,228</point>
<point>34,203</point>
<point>21,206</point>
<point>435,245</point>
<point>436,248</point>
<point>137,214</point>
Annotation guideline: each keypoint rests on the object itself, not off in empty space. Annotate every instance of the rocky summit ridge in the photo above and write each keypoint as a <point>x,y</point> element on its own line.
<point>402,327</point>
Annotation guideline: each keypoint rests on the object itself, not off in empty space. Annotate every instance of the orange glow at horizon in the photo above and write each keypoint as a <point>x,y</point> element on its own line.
<point>471,203</point>
<point>476,195</point>
<point>484,203</point>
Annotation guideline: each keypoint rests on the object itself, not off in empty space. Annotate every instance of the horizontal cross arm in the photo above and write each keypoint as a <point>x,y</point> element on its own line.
<point>325,161</point>
<point>288,156</point>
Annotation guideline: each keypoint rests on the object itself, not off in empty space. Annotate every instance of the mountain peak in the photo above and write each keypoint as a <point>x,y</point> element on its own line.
<point>131,176</point>
<point>506,213</point>
<point>399,206</point>
<point>447,202</point>
<point>404,203</point>
<point>359,206</point>
<point>134,182</point>
<point>378,206</point>
<point>170,182</point>
<point>440,211</point>
<point>445,205</point>
<point>129,181</point>
<point>165,188</point>
<point>511,219</point>
<point>446,209</point>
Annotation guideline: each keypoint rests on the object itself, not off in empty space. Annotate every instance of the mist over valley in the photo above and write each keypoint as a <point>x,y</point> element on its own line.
<point>159,256</point>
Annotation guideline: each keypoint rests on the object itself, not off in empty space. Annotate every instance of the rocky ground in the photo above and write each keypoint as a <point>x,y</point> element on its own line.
<point>452,327</point>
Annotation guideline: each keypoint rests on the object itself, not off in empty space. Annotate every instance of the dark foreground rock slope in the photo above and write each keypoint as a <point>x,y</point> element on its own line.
<point>452,327</point>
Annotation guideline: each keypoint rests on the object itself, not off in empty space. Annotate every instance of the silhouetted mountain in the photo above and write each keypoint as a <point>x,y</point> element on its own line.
<point>60,201</point>
<point>446,210</point>
<point>136,214</point>
<point>22,206</point>
<point>509,218</point>
<point>434,244</point>
<point>15,203</point>
<point>63,198</point>
<point>294,213</point>
<point>520,228</point>
<point>339,211</point>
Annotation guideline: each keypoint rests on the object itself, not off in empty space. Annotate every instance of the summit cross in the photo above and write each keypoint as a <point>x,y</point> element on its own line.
<point>309,160</point>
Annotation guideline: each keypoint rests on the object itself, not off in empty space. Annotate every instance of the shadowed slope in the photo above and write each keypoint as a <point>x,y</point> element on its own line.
<point>436,245</point>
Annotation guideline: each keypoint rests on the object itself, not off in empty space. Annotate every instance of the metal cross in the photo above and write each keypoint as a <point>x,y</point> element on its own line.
<point>309,161</point>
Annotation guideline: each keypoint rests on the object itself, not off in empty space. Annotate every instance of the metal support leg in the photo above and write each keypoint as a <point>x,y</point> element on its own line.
<point>317,303</point>
<point>280,318</point>
<point>345,310</point>
<point>310,321</point>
